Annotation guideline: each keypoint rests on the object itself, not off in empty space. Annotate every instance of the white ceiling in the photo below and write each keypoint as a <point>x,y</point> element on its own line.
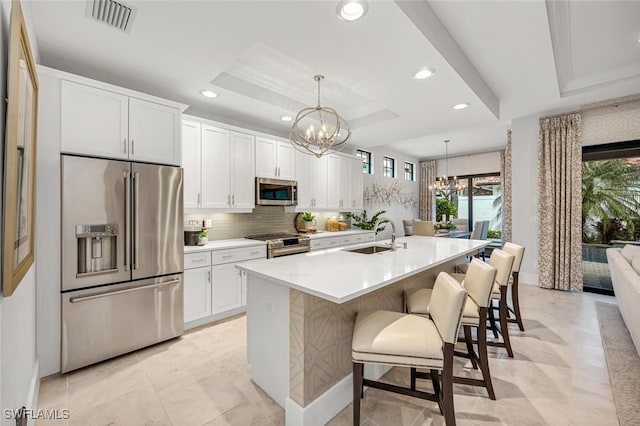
<point>261,56</point>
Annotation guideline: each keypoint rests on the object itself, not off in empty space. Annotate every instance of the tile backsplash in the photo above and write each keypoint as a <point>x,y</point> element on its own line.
<point>263,219</point>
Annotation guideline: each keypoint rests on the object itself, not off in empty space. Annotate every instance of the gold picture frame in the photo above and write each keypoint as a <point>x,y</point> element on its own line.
<point>19,156</point>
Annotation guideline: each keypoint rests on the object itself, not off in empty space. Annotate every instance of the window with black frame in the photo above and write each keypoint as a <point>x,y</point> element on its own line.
<point>366,161</point>
<point>409,171</point>
<point>388,166</point>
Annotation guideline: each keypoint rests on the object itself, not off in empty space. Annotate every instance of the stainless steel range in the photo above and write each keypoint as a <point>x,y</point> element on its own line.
<point>282,244</point>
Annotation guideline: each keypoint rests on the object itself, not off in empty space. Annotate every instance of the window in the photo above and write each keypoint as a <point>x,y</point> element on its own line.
<point>408,171</point>
<point>366,161</point>
<point>388,166</point>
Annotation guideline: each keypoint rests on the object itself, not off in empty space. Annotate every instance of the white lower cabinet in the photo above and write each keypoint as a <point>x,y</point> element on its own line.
<point>227,287</point>
<point>197,293</point>
<point>213,288</point>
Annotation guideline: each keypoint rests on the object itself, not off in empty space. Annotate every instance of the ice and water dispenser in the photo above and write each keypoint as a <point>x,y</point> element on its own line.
<point>97,249</point>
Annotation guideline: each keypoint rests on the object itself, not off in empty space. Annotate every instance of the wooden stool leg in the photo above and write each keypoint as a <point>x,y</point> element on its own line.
<point>504,328</point>
<point>413,378</point>
<point>516,301</point>
<point>482,353</point>
<point>492,320</point>
<point>469,342</point>
<point>447,386</point>
<point>357,391</point>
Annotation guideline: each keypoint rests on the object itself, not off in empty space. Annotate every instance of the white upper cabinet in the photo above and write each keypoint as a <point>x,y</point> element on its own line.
<point>346,198</point>
<point>357,187</point>
<point>274,159</point>
<point>218,168</point>
<point>320,185</point>
<point>108,124</point>
<point>311,174</point>
<point>94,121</point>
<point>191,164</point>
<point>154,131</point>
<point>215,167</point>
<point>242,186</point>
<point>334,198</point>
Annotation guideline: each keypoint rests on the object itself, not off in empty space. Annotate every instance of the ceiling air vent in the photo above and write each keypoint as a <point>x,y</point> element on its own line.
<point>115,14</point>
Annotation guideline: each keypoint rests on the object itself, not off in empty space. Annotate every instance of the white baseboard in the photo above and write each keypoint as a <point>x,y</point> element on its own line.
<point>213,318</point>
<point>34,389</point>
<point>330,403</point>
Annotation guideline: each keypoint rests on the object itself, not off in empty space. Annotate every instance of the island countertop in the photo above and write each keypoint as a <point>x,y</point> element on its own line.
<point>339,275</point>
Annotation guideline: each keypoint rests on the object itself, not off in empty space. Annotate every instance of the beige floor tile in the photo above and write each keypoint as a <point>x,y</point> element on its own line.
<point>243,414</point>
<point>189,405</point>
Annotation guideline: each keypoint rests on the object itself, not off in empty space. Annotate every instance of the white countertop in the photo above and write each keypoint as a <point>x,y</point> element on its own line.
<point>327,234</point>
<point>338,275</point>
<point>224,244</point>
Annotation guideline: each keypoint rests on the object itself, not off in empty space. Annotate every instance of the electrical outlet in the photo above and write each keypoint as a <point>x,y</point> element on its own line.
<point>208,223</point>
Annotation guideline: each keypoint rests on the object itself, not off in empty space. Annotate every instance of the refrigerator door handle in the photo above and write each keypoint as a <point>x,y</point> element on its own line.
<point>127,221</point>
<point>136,220</point>
<point>128,290</point>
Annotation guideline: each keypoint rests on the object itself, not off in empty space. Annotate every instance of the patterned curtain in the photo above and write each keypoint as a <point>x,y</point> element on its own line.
<point>505,177</point>
<point>427,181</point>
<point>560,202</point>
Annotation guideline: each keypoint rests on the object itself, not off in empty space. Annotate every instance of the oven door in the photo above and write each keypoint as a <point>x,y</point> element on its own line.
<point>276,192</point>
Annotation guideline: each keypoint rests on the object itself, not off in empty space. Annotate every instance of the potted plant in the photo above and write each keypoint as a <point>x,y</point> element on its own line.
<point>203,237</point>
<point>309,222</point>
<point>367,224</point>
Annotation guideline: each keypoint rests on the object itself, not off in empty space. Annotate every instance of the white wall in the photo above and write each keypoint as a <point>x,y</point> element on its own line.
<point>524,134</point>
<point>18,357</point>
<point>396,211</point>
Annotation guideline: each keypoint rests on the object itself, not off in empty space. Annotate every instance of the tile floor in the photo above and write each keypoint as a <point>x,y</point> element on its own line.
<point>558,377</point>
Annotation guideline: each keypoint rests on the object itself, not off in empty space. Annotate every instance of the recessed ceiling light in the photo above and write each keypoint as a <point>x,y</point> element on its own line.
<point>461,106</point>
<point>286,118</point>
<point>209,93</point>
<point>424,73</point>
<point>352,10</point>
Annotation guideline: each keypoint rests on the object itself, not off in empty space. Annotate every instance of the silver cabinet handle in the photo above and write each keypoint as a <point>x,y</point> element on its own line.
<point>227,256</point>
<point>254,252</point>
<point>275,172</point>
<point>136,220</point>
<point>278,171</point>
<point>132,147</point>
<point>198,201</point>
<point>128,290</point>
<point>124,145</point>
<point>127,221</point>
<point>228,199</point>
<point>197,260</point>
<point>233,200</point>
<point>209,275</point>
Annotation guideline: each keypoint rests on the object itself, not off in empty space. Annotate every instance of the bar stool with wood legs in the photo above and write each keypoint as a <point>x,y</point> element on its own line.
<point>394,338</point>
<point>517,251</point>
<point>479,283</point>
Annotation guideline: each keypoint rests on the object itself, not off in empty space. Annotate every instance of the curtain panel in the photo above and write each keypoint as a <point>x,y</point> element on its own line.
<point>427,198</point>
<point>560,202</point>
<point>505,176</point>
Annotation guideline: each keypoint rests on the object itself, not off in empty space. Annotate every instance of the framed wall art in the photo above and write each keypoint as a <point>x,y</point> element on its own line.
<point>19,156</point>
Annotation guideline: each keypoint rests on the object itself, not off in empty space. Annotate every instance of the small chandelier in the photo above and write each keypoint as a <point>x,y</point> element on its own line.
<point>318,129</point>
<point>444,186</point>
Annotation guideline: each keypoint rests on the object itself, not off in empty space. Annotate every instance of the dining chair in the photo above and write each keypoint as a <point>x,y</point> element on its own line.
<point>518,252</point>
<point>404,340</point>
<point>407,224</point>
<point>424,228</point>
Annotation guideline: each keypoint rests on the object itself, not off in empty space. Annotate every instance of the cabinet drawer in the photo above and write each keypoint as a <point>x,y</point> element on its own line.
<point>323,243</point>
<point>351,239</point>
<point>239,254</point>
<point>370,236</point>
<point>197,260</point>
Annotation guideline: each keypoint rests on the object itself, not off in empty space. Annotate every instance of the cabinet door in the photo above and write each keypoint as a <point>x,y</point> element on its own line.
<point>154,132</point>
<point>93,121</point>
<point>346,198</point>
<point>215,168</point>
<point>227,288</point>
<point>357,186</point>
<point>285,154</point>
<point>320,181</point>
<point>191,163</point>
<point>333,182</point>
<point>266,158</point>
<point>304,174</point>
<point>242,164</point>
<point>197,293</point>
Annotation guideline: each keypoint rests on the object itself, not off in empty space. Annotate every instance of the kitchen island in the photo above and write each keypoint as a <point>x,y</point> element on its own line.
<point>301,310</point>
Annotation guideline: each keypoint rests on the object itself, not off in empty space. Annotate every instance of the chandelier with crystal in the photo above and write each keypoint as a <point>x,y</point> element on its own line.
<point>319,129</point>
<point>445,186</point>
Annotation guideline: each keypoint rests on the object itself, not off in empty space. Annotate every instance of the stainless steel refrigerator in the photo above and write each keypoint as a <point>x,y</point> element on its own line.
<point>122,258</point>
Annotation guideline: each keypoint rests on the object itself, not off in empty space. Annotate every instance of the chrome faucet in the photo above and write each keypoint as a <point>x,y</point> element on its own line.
<point>393,232</point>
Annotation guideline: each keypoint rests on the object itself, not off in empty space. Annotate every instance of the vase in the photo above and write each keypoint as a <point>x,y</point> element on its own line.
<point>310,225</point>
<point>203,240</point>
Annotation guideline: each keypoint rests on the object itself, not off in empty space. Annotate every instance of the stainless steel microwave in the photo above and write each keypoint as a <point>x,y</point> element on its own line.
<point>276,192</point>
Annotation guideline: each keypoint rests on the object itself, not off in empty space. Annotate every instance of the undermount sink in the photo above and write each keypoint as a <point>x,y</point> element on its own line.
<point>370,250</point>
